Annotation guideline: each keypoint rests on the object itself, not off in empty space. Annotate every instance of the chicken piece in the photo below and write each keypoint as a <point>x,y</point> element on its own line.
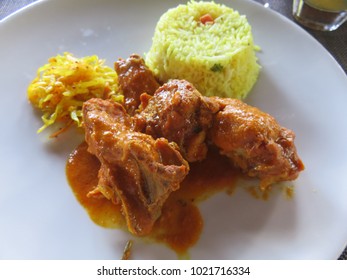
<point>255,142</point>
<point>136,170</point>
<point>179,113</point>
<point>134,78</point>
<point>252,139</point>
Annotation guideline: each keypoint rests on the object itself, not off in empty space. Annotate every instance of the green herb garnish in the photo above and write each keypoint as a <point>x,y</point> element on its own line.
<point>217,67</point>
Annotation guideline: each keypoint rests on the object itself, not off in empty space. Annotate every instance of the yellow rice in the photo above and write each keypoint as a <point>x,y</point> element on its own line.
<point>217,57</point>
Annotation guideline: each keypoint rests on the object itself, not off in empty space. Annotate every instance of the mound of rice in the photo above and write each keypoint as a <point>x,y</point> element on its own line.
<point>207,44</point>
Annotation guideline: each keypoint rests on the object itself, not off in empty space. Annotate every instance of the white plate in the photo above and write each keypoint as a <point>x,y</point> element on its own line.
<point>300,84</point>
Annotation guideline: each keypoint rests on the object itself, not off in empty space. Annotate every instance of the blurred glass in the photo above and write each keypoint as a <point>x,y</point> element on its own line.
<point>325,15</point>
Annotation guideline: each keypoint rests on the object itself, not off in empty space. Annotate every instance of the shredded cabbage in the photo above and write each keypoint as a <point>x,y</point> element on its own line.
<point>65,82</point>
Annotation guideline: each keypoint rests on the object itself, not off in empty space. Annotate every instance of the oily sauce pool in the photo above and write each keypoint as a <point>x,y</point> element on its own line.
<point>181,223</point>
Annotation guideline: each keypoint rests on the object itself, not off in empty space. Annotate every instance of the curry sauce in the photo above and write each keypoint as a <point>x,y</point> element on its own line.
<point>180,223</point>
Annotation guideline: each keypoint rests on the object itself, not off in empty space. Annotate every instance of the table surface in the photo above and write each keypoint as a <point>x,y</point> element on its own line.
<point>335,42</point>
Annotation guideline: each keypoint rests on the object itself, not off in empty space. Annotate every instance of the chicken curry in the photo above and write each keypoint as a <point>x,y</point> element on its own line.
<point>146,162</point>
